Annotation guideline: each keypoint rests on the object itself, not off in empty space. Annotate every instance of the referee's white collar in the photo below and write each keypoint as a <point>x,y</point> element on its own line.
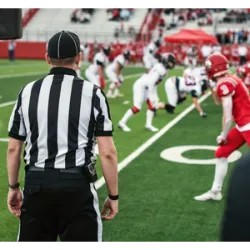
<point>62,71</point>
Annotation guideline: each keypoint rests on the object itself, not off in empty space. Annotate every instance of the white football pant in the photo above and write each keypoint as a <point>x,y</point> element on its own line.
<point>93,78</point>
<point>171,91</point>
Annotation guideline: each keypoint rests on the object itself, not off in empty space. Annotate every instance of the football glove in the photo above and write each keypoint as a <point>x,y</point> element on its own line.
<point>121,79</point>
<point>220,140</point>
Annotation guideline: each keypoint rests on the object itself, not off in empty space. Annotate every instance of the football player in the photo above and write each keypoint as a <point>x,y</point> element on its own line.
<point>235,101</point>
<point>193,82</point>
<point>177,89</point>
<point>150,58</point>
<point>114,73</point>
<point>243,72</point>
<point>95,72</point>
<point>145,88</point>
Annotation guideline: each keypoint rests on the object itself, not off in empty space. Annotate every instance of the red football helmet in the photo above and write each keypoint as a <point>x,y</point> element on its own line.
<point>216,65</point>
<point>241,72</point>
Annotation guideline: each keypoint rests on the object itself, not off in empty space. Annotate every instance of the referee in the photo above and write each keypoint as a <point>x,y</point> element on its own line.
<point>60,118</point>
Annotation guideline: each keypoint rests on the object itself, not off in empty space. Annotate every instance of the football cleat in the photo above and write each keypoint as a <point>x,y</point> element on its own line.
<point>203,114</point>
<point>210,195</point>
<point>123,127</point>
<point>169,108</point>
<point>109,95</point>
<point>118,95</point>
<point>151,128</point>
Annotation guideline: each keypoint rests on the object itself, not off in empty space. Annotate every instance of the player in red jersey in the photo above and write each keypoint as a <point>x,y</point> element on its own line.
<point>236,106</point>
<point>243,72</point>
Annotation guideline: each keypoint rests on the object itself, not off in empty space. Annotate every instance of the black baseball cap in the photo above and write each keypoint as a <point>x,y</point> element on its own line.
<point>64,44</point>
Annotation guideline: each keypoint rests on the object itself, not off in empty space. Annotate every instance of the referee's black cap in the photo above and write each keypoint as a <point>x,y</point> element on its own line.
<point>63,44</point>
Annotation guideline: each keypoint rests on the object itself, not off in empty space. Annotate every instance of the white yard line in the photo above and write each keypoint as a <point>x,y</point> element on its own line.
<point>7,104</point>
<point>21,65</point>
<point>4,139</point>
<point>22,75</point>
<point>125,162</point>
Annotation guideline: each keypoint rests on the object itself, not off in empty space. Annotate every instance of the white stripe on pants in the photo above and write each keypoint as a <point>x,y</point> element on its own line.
<point>98,214</point>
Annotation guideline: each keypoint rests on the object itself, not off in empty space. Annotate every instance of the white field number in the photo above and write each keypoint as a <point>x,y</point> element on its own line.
<point>174,154</point>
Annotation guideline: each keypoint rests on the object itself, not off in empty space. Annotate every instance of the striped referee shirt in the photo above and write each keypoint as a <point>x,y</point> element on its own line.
<point>59,118</point>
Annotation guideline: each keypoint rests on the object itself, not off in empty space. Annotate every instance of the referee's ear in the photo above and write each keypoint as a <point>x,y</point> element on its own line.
<point>79,58</point>
<point>47,58</point>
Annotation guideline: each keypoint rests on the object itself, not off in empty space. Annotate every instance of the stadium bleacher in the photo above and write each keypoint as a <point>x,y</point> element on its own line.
<point>97,26</point>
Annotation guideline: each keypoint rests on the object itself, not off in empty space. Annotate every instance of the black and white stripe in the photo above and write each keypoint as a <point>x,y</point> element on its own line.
<point>59,117</point>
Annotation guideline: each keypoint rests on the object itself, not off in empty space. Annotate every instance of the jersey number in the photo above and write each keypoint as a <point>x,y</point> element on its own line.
<point>190,83</point>
<point>224,89</point>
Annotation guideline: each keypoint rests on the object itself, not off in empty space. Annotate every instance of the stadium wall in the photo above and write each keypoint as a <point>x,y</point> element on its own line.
<point>25,50</point>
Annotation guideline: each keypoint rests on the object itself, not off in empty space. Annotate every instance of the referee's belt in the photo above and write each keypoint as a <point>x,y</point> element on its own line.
<point>76,170</point>
<point>89,170</point>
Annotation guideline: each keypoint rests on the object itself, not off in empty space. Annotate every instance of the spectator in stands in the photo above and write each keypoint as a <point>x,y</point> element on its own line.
<point>115,15</point>
<point>131,11</point>
<point>11,49</point>
<point>82,15</point>
<point>125,14</point>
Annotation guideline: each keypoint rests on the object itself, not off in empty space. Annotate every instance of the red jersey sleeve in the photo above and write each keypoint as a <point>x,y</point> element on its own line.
<point>225,88</point>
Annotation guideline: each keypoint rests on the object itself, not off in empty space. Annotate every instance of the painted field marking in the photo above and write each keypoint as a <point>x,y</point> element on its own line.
<point>21,75</point>
<point>4,139</point>
<point>174,154</point>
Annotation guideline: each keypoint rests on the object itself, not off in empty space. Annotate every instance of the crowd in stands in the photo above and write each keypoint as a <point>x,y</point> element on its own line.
<point>122,32</point>
<point>179,17</point>
<point>234,36</point>
<point>119,14</point>
<point>82,15</point>
<point>236,16</point>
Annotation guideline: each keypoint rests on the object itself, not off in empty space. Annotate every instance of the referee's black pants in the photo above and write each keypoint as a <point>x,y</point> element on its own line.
<point>57,204</point>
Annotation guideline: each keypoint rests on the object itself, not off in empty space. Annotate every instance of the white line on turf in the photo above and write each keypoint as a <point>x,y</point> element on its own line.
<point>22,75</point>
<point>7,104</point>
<point>124,163</point>
<point>4,139</point>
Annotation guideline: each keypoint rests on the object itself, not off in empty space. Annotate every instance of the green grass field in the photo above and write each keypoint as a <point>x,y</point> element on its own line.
<point>156,196</point>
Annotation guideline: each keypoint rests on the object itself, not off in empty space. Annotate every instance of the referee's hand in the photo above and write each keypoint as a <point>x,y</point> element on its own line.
<point>110,209</point>
<point>15,201</point>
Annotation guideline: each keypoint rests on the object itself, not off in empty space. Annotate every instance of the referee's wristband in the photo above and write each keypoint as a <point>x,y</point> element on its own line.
<point>16,186</point>
<point>113,197</point>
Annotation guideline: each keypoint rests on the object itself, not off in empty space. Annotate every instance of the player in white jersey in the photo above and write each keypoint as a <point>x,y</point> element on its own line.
<point>79,66</point>
<point>145,89</point>
<point>194,82</point>
<point>114,73</point>
<point>85,52</point>
<point>149,58</point>
<point>95,72</point>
